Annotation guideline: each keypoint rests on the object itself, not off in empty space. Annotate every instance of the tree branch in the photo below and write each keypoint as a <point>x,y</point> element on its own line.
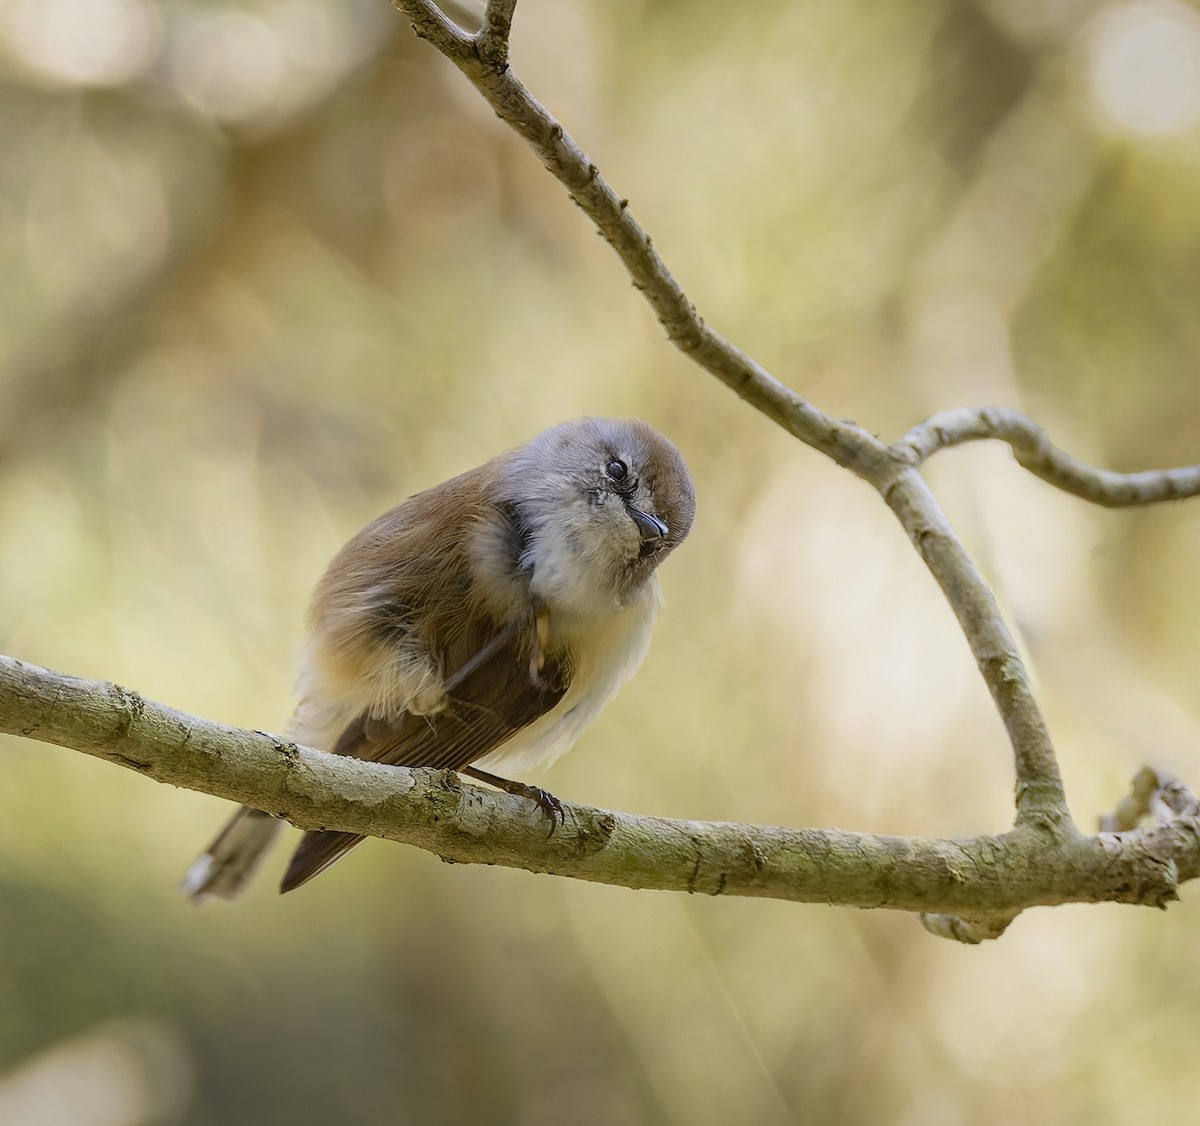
<point>976,881</point>
<point>481,59</point>
<point>1040,796</point>
<point>493,35</point>
<point>1035,452</point>
<point>1153,798</point>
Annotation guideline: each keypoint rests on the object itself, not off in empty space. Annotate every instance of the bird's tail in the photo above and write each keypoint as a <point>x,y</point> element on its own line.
<point>316,851</point>
<point>232,858</point>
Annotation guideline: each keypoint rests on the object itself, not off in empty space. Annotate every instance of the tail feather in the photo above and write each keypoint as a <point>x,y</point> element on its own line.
<point>233,857</point>
<point>316,852</point>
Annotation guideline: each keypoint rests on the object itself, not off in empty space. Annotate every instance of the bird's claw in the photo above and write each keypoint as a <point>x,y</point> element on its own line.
<point>549,805</point>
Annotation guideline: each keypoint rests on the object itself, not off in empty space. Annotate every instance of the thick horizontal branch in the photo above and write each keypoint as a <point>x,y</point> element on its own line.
<point>982,878</point>
<point>1035,452</point>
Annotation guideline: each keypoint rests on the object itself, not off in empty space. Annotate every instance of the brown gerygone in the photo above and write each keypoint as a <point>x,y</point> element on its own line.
<point>480,624</point>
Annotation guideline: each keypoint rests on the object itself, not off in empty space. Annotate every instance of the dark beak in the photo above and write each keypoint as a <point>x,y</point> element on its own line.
<point>650,526</point>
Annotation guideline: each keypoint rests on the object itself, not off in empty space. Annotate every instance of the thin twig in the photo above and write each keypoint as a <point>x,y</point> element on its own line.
<point>1153,797</point>
<point>431,23</point>
<point>492,40</point>
<point>1035,452</point>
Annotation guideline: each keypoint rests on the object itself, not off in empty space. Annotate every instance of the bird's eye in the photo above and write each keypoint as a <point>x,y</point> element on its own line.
<point>617,469</point>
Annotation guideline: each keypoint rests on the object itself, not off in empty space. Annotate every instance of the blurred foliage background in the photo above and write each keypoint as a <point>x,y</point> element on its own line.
<point>270,265</point>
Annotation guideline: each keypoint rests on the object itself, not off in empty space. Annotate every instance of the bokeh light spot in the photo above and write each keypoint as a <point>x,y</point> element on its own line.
<point>82,42</point>
<point>233,64</point>
<point>1145,67</point>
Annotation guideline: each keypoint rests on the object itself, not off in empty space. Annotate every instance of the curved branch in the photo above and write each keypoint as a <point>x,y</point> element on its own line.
<point>430,22</point>
<point>481,60</point>
<point>1035,452</point>
<point>977,881</point>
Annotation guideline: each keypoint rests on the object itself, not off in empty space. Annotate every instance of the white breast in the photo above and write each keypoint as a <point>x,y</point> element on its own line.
<point>609,651</point>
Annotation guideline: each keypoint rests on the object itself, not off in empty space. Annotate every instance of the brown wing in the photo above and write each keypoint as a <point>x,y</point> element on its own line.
<point>492,696</point>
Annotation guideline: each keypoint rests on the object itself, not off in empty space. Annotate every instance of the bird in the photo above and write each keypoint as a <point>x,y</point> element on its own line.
<point>480,625</point>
